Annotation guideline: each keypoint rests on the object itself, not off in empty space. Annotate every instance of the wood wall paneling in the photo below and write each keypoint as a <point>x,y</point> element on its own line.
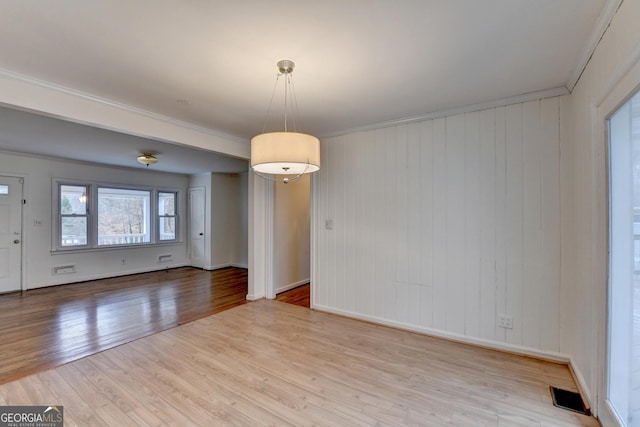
<point>514,218</point>
<point>455,206</point>
<point>448,223</point>
<point>551,232</point>
<point>424,218</point>
<point>487,213</point>
<point>439,222</point>
<point>472,225</point>
<point>380,214</point>
<point>531,168</point>
<point>392,213</point>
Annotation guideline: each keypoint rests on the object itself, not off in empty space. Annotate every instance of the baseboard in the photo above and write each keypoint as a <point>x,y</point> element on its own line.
<point>251,297</point>
<point>479,342</point>
<point>219,266</point>
<point>70,278</point>
<point>583,388</point>
<point>610,417</point>
<point>291,286</point>
<point>215,267</point>
<point>245,266</point>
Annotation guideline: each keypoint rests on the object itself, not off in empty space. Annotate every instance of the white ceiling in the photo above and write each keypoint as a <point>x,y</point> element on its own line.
<point>358,62</point>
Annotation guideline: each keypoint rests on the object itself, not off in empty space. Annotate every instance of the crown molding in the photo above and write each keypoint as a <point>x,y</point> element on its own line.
<point>602,24</point>
<point>42,97</point>
<point>517,99</point>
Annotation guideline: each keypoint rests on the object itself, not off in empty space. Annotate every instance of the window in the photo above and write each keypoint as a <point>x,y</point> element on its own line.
<point>123,216</point>
<point>73,215</point>
<point>93,215</point>
<point>166,216</point>
<point>623,356</point>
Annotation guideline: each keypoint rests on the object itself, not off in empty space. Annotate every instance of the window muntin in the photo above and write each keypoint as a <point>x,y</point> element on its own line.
<point>73,215</point>
<point>167,219</point>
<point>123,216</point>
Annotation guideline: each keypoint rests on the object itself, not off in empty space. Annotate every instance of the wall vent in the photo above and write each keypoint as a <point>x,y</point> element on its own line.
<point>569,400</point>
<point>64,269</point>
<point>165,258</point>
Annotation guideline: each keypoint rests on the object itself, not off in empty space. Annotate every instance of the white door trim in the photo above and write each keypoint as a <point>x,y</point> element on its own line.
<point>260,230</point>
<point>623,84</point>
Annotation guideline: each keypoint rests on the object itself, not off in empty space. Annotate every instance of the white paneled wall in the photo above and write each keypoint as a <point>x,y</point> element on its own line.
<point>446,223</point>
<point>613,73</point>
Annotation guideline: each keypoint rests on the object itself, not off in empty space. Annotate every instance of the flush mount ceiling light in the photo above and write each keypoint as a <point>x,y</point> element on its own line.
<point>285,153</point>
<point>147,159</point>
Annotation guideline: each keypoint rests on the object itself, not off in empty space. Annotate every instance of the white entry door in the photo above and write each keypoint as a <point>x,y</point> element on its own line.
<point>10,233</point>
<point>196,226</point>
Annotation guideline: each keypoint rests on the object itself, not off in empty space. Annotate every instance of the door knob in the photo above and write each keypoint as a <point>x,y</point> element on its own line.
<point>16,241</point>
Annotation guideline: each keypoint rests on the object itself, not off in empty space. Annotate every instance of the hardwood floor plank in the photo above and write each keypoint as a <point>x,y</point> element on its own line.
<point>210,384</point>
<point>76,410</point>
<point>48,327</point>
<point>300,295</point>
<point>270,363</point>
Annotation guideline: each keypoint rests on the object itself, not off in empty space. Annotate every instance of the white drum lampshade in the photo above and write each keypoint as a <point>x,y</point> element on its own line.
<point>285,153</point>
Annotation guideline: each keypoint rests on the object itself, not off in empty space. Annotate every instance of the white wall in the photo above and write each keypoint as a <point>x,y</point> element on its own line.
<point>611,75</point>
<point>444,224</point>
<point>291,238</point>
<point>38,256</point>
<point>226,219</point>
<point>239,245</point>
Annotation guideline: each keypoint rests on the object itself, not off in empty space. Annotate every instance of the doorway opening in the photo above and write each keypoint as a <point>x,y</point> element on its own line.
<point>292,241</point>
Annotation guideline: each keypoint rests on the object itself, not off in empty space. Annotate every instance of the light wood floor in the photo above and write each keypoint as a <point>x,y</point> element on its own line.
<point>270,363</point>
<point>47,327</point>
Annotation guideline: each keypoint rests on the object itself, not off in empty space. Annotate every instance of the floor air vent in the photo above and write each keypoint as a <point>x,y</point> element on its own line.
<point>568,400</point>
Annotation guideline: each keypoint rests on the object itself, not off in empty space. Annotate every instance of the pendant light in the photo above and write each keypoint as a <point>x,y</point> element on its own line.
<point>285,153</point>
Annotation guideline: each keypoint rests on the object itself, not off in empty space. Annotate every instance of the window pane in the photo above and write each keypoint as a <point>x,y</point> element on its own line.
<point>624,264</point>
<point>167,228</point>
<point>123,216</point>
<point>4,189</point>
<point>73,200</point>
<point>74,231</point>
<point>166,204</point>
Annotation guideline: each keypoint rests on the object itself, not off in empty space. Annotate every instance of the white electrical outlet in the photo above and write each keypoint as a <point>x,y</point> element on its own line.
<point>505,321</point>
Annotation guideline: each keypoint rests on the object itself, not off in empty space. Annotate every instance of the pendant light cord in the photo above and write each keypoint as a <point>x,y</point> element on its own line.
<point>273,94</point>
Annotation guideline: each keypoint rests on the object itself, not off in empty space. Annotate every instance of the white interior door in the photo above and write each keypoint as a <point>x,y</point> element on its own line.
<point>10,233</point>
<point>196,226</point>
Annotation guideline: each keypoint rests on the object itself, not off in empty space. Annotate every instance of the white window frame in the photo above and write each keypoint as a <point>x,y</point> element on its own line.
<point>60,215</point>
<point>147,215</point>
<point>159,217</point>
<point>92,215</point>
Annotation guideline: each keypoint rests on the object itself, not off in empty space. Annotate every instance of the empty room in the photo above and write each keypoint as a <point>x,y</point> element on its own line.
<point>339,212</point>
